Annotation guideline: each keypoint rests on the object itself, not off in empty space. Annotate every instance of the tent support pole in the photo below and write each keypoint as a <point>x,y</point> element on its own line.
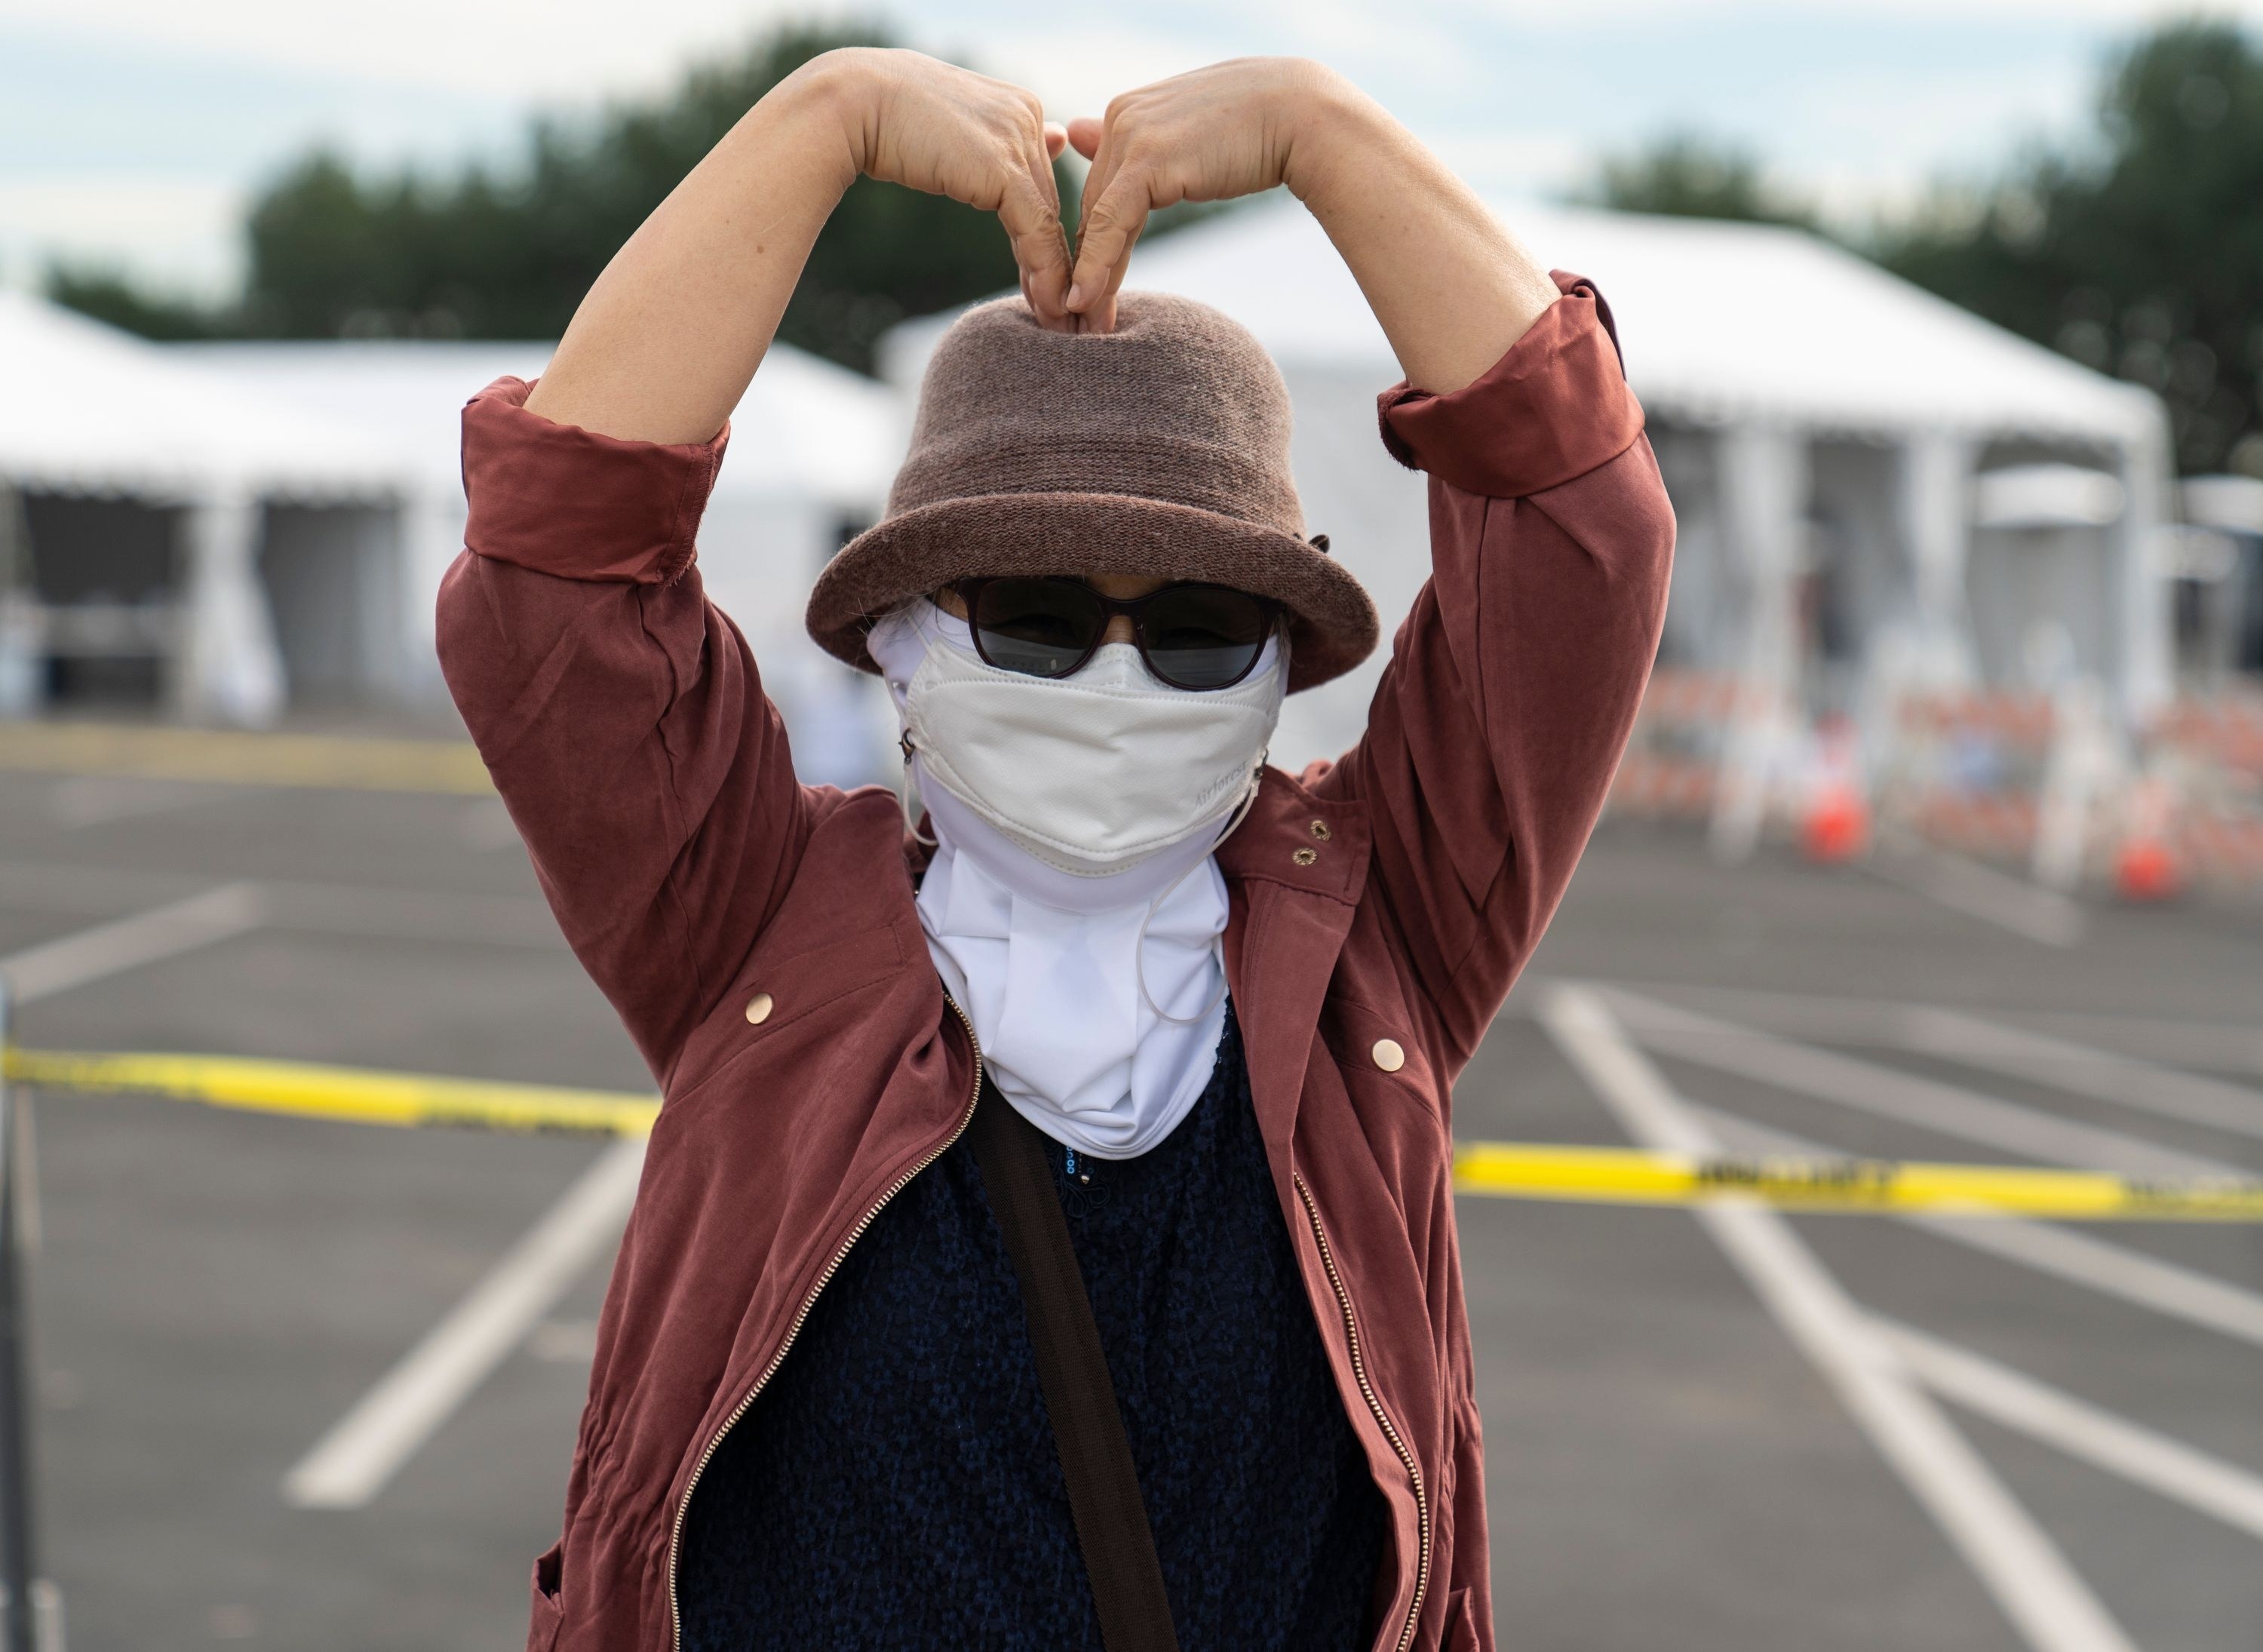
<point>19,1624</point>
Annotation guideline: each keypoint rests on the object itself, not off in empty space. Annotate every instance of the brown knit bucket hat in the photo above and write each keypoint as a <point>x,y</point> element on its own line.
<point>1160,448</point>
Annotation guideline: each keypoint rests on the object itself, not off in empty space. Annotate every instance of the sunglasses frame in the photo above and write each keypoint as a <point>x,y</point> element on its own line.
<point>970,592</point>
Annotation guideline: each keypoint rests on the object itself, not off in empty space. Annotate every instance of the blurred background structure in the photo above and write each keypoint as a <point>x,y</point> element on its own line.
<point>1967,485</point>
<point>813,446</point>
<point>1940,835</point>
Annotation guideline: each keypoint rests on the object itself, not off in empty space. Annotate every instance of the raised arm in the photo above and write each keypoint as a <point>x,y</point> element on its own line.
<point>1513,684</point>
<point>1451,287</point>
<point>668,336</point>
<point>620,714</point>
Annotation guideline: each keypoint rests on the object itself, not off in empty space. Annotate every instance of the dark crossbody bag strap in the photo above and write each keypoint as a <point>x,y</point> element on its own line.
<point>1103,1486</point>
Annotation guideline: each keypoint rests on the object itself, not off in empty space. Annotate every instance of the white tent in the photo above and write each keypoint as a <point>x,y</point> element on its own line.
<point>1814,415</point>
<point>812,448</point>
<point>85,409</point>
<point>2223,557</point>
<point>87,413</point>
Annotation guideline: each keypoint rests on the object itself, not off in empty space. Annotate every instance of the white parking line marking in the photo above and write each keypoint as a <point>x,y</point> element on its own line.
<point>353,1462</point>
<point>2211,1044</point>
<point>414,915</point>
<point>61,886</point>
<point>345,909</point>
<point>2082,1430</point>
<point>2083,1069</point>
<point>2223,1046</point>
<point>96,799</point>
<point>2165,1287</point>
<point>109,949</point>
<point>1983,892</point>
<point>2099,1264</point>
<point>1904,1097</point>
<point>2046,1600</point>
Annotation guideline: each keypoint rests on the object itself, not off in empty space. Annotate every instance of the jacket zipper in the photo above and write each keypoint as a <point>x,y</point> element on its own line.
<point>1375,1404</point>
<point>683,1508</point>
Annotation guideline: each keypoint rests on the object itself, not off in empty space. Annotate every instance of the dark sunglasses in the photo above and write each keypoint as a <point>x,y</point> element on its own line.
<point>1191,636</point>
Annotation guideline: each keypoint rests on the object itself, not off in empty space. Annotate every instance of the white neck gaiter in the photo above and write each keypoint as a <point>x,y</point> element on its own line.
<point>1071,906</point>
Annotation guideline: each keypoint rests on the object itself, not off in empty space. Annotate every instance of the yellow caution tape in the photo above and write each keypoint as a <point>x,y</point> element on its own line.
<point>1629,1176</point>
<point>228,758</point>
<point>307,1090</point>
<point>1508,1170</point>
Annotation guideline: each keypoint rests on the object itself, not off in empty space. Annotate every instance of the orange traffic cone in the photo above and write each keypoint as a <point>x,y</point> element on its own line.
<point>1838,824</point>
<point>1835,826</point>
<point>2145,867</point>
<point>2146,871</point>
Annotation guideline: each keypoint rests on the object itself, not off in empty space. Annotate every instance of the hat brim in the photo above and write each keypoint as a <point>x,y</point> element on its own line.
<point>1331,622</point>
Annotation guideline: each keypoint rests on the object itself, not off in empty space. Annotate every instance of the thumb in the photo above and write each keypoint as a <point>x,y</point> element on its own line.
<point>1084,136</point>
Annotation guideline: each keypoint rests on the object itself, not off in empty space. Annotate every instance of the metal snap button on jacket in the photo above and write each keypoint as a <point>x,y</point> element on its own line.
<point>1388,1055</point>
<point>759,1008</point>
<point>1306,856</point>
<point>1320,829</point>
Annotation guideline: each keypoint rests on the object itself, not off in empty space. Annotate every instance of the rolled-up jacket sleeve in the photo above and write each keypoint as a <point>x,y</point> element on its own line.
<point>1514,683</point>
<point>618,711</point>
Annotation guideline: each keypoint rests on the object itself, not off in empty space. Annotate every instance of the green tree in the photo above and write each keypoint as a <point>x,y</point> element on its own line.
<point>484,254</point>
<point>1683,175</point>
<point>490,253</point>
<point>2141,254</point>
<point>108,294</point>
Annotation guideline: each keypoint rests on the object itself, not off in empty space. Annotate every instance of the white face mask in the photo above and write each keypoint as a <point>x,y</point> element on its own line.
<point>1094,772</point>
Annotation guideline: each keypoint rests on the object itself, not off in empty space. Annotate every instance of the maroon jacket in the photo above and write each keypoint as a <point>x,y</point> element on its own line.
<point>1390,895</point>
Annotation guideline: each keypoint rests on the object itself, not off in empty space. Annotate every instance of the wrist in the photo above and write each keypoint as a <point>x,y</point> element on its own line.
<point>837,95</point>
<point>1334,134</point>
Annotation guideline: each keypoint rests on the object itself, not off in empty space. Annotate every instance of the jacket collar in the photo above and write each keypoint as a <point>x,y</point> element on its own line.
<point>1304,843</point>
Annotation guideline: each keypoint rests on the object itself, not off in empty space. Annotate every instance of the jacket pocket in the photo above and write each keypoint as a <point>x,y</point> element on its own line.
<point>799,982</point>
<point>1379,1054</point>
<point>775,989</point>
<point>1461,1624</point>
<point>547,1615</point>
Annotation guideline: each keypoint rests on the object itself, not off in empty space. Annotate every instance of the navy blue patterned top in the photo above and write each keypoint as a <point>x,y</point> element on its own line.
<point>896,1488</point>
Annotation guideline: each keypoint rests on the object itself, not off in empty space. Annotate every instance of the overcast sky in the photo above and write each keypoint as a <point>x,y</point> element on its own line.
<point>136,128</point>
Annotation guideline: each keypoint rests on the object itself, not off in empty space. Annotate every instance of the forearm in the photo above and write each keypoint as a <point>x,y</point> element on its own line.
<point>668,336</point>
<point>1451,287</point>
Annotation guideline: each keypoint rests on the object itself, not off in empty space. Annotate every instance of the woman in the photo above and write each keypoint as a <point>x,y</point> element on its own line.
<point>1231,1000</point>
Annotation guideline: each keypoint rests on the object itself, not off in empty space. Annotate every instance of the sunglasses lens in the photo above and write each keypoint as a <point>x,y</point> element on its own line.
<point>1205,636</point>
<point>1042,628</point>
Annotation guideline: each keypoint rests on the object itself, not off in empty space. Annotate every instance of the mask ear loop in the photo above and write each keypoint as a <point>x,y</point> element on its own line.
<point>905,790</point>
<point>1139,946</point>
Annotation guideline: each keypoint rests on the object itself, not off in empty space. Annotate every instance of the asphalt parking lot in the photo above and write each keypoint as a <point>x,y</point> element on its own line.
<point>1757,1432</point>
